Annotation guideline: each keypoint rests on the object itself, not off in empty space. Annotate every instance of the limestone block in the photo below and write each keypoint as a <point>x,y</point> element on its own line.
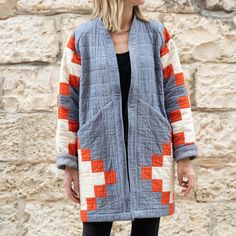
<point>7,8</point>
<point>224,217</point>
<point>50,7</point>
<point>216,86</point>
<point>216,182</point>
<point>52,218</point>
<point>27,88</point>
<point>28,138</point>
<point>33,181</point>
<point>199,38</point>
<point>190,218</point>
<point>39,137</point>
<point>28,39</point>
<point>183,6</point>
<point>215,218</point>
<point>215,134</point>
<point>11,145</point>
<point>8,182</point>
<point>1,92</point>
<point>227,5</point>
<point>69,23</point>
<point>234,20</point>
<point>8,217</point>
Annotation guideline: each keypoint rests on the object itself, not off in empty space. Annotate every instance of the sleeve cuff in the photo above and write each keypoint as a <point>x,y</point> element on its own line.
<point>183,152</point>
<point>66,160</point>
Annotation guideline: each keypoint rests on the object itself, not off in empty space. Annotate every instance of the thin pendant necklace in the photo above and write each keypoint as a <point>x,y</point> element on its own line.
<point>122,32</point>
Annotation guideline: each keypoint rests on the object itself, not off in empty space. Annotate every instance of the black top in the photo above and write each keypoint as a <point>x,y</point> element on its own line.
<point>123,60</point>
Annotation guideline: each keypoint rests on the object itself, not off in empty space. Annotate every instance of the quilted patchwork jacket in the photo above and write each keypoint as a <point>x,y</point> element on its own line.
<point>90,135</point>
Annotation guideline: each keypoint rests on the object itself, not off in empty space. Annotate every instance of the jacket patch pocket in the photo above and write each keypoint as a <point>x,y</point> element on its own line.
<point>152,122</point>
<point>154,113</point>
<point>155,157</point>
<point>97,172</point>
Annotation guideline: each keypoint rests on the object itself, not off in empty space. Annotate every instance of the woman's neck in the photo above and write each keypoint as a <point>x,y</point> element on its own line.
<point>127,17</point>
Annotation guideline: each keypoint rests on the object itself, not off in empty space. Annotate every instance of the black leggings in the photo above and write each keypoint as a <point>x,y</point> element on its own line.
<point>140,227</point>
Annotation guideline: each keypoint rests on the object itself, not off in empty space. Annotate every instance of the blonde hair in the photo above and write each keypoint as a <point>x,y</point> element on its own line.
<point>111,13</point>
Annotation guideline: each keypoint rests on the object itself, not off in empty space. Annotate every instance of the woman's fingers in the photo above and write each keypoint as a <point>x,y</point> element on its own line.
<point>71,184</point>
<point>189,184</point>
<point>74,198</point>
<point>185,183</point>
<point>180,178</point>
<point>76,184</point>
<point>185,170</point>
<point>75,194</point>
<point>70,192</point>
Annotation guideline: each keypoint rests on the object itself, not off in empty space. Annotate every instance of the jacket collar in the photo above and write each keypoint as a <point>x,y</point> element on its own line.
<point>111,53</point>
<point>103,28</point>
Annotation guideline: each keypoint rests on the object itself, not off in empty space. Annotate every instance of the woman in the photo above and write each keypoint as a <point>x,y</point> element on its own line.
<point>124,120</point>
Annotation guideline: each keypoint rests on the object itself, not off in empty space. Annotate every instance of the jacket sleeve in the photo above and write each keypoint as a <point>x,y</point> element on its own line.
<point>177,101</point>
<point>68,106</point>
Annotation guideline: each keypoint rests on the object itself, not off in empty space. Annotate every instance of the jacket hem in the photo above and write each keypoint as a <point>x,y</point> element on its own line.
<point>129,216</point>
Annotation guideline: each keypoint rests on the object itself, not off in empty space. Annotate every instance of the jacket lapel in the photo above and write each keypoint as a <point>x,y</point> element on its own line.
<point>111,54</point>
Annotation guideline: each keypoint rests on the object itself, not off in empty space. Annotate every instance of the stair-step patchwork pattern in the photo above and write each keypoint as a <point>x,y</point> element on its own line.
<point>93,180</point>
<point>68,106</point>
<point>176,94</point>
<point>161,175</point>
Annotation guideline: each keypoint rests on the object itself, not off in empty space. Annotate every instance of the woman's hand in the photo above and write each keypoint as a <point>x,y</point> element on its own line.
<point>71,176</point>
<point>185,168</point>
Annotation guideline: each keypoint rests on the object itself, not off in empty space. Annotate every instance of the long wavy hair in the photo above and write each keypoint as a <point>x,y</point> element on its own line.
<point>111,13</point>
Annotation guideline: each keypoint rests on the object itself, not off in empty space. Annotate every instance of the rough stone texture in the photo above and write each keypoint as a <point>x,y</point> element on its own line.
<point>28,138</point>
<point>27,182</point>
<point>28,39</point>
<point>21,94</point>
<point>224,218</point>
<point>56,218</point>
<point>213,188</point>
<point>183,6</point>
<point>68,23</point>
<point>216,86</point>
<point>32,37</point>
<point>189,215</point>
<point>51,7</point>
<point>227,5</point>
<point>8,217</point>
<point>200,38</point>
<point>215,133</point>
<point>7,8</point>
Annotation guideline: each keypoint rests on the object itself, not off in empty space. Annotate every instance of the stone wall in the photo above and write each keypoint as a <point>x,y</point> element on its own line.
<point>32,35</point>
